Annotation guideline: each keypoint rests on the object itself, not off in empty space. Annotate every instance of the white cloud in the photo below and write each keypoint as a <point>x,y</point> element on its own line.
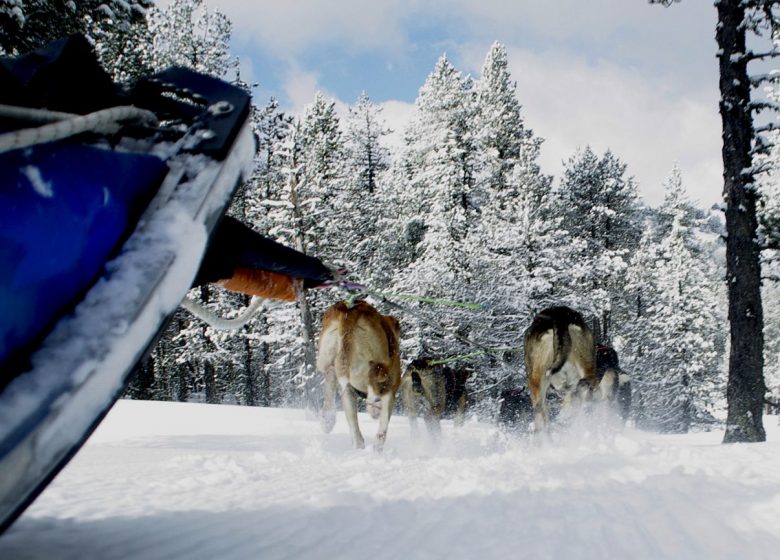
<point>289,27</point>
<point>300,87</point>
<point>640,80</point>
<point>571,103</point>
<point>397,115</point>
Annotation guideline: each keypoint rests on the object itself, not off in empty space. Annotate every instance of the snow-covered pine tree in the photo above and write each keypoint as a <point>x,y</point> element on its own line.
<point>599,205</point>
<point>633,344</point>
<point>186,33</point>
<point>741,143</point>
<point>517,247</point>
<point>769,236</point>
<point>435,183</point>
<point>261,204</point>
<point>503,139</point>
<point>360,207</point>
<point>676,343</point>
<point>29,24</point>
<point>314,181</point>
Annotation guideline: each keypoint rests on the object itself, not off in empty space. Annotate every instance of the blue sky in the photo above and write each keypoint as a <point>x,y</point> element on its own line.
<point>640,80</point>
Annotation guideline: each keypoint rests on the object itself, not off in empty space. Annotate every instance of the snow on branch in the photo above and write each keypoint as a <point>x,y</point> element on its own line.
<point>760,56</point>
<point>758,79</point>
<point>758,169</point>
<point>767,128</point>
<point>758,106</point>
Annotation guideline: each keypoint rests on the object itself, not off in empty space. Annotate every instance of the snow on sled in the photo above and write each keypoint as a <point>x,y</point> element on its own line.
<point>108,199</point>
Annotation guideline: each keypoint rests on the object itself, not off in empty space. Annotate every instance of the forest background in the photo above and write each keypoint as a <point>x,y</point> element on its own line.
<point>459,211</point>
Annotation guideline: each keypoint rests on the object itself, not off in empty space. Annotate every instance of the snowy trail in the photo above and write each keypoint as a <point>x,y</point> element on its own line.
<point>163,480</point>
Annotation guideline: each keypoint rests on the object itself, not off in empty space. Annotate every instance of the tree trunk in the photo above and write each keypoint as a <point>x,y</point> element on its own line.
<point>745,390</point>
<point>183,376</point>
<point>311,382</point>
<point>250,377</point>
<point>210,383</point>
<point>141,386</point>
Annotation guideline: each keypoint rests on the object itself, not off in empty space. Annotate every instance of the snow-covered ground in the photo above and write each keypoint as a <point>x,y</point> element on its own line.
<point>164,480</point>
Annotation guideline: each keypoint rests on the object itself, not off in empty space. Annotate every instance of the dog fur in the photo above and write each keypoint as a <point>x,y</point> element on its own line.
<point>559,353</point>
<point>424,391</point>
<point>358,352</point>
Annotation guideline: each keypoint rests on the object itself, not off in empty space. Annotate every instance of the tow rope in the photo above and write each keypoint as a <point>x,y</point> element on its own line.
<point>355,291</point>
<point>64,125</point>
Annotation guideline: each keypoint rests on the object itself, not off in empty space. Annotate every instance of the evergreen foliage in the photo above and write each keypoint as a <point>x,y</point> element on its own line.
<point>677,336</point>
<point>460,211</point>
<point>599,204</point>
<point>30,24</point>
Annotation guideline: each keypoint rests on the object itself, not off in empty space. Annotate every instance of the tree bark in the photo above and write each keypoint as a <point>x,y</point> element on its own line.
<point>745,389</point>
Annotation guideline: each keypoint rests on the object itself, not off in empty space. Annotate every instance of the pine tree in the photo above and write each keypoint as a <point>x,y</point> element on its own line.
<point>504,141</point>
<point>187,34</point>
<point>518,245</point>
<point>360,205</point>
<point>437,200</point>
<point>30,24</point>
<point>769,236</point>
<point>599,205</point>
<point>675,336</point>
<point>366,157</point>
<point>686,327</point>
<point>741,142</point>
<point>308,220</point>
<point>636,346</point>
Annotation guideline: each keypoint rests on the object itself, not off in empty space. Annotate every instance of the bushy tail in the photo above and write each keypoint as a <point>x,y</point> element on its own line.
<point>561,345</point>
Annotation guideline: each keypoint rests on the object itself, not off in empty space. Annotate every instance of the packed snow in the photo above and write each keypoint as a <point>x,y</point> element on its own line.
<point>173,480</point>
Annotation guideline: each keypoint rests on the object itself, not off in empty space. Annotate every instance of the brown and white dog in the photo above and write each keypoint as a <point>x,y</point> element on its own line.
<point>424,391</point>
<point>358,352</point>
<point>559,353</point>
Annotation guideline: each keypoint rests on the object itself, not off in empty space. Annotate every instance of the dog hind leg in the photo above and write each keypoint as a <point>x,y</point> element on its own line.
<point>410,404</point>
<point>328,412</point>
<point>349,400</point>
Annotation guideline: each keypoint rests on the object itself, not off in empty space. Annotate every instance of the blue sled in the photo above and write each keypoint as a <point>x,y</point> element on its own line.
<point>101,235</point>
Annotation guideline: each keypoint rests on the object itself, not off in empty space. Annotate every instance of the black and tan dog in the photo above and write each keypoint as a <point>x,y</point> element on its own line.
<point>435,391</point>
<point>614,383</point>
<point>424,391</point>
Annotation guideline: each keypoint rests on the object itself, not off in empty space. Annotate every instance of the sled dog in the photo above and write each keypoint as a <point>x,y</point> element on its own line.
<point>424,390</point>
<point>515,410</point>
<point>614,383</point>
<point>457,394</point>
<point>559,353</point>
<point>358,353</point>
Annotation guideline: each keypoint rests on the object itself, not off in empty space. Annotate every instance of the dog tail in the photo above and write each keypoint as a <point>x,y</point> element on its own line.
<point>561,345</point>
